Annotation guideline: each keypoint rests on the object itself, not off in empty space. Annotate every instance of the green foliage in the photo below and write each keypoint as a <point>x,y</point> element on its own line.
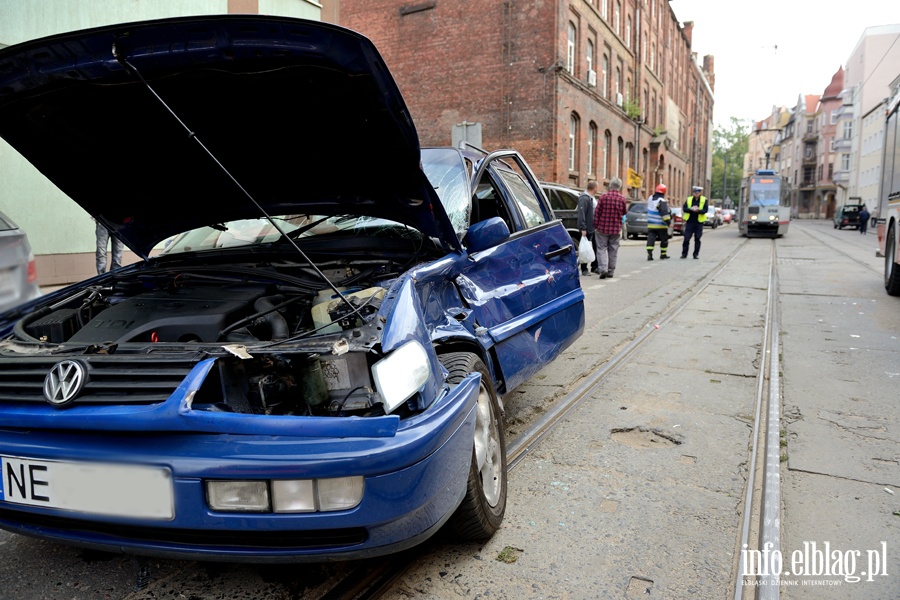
<point>632,108</point>
<point>729,146</point>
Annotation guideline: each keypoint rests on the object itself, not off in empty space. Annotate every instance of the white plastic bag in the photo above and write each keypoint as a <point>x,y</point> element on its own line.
<point>585,251</point>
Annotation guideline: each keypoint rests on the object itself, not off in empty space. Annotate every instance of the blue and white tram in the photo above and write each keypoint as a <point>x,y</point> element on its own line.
<point>765,206</point>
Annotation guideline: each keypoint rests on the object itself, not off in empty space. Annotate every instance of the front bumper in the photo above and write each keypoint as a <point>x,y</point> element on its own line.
<point>413,483</point>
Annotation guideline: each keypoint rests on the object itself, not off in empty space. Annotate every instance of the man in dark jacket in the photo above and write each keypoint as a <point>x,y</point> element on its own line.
<point>585,210</point>
<point>864,217</point>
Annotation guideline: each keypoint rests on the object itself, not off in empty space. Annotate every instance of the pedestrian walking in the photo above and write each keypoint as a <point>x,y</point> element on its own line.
<point>585,214</point>
<point>658,217</point>
<point>103,238</point>
<point>864,217</point>
<point>694,214</point>
<point>611,208</point>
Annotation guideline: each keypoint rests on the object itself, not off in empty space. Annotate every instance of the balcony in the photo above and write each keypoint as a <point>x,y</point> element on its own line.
<point>811,136</point>
<point>807,184</point>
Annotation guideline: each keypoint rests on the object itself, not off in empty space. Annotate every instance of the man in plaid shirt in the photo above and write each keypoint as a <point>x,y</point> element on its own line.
<point>608,215</point>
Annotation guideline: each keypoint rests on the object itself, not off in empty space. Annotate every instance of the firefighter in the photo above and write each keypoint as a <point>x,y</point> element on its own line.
<point>694,214</point>
<point>658,217</point>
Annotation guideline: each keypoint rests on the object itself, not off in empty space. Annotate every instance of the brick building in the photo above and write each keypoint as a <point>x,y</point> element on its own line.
<point>585,89</point>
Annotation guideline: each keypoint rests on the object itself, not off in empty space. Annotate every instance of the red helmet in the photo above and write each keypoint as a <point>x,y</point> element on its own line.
<point>661,188</point>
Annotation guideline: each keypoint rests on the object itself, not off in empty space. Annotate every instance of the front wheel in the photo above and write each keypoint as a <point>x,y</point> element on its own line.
<point>891,270</point>
<point>481,511</point>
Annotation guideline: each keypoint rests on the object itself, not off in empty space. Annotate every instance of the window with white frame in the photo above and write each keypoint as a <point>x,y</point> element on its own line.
<point>617,23</point>
<point>570,52</point>
<point>591,143</point>
<point>573,140</point>
<point>605,86</point>
<point>845,162</point>
<point>834,117</point>
<point>628,33</point>
<point>848,130</point>
<point>604,9</point>
<point>590,56</point>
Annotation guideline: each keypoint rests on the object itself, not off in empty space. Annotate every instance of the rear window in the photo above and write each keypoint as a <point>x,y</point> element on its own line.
<point>561,200</point>
<point>637,208</point>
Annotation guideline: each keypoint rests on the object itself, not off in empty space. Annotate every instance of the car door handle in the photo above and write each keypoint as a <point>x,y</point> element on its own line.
<point>560,252</point>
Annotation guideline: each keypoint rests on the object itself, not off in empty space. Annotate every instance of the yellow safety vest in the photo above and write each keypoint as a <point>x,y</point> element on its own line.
<point>701,215</point>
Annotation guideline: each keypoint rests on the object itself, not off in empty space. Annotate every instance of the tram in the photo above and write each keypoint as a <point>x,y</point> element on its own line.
<point>887,217</point>
<point>765,205</point>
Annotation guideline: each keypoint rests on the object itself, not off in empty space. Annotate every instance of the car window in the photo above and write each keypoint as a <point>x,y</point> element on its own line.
<point>524,196</point>
<point>562,199</point>
<point>637,208</point>
<point>447,173</point>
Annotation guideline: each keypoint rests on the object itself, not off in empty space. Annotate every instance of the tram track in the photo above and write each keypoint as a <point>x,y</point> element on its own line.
<point>369,582</point>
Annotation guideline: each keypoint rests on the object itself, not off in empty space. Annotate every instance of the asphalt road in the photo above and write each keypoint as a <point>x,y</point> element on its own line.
<point>639,492</point>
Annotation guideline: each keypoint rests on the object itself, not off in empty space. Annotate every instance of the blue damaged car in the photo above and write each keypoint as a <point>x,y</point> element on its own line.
<point>309,361</point>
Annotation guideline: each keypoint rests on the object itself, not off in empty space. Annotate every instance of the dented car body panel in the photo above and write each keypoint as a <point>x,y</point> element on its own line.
<point>273,379</point>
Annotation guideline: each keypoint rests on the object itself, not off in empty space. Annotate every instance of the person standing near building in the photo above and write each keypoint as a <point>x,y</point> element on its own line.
<point>118,247</point>
<point>658,217</point>
<point>608,215</point>
<point>864,216</point>
<point>694,214</point>
<point>585,212</point>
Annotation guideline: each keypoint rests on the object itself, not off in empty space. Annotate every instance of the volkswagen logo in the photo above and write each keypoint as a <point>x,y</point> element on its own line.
<point>63,383</point>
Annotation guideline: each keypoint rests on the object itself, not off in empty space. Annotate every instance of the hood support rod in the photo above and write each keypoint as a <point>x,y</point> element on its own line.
<point>133,70</point>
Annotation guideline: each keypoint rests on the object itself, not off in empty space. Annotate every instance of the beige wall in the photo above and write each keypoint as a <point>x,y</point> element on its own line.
<point>60,232</point>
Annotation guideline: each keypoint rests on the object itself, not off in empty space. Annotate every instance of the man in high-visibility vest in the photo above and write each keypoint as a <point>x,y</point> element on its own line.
<point>658,218</point>
<point>694,214</point>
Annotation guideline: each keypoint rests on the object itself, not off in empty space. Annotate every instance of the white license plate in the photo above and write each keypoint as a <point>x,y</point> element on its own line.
<point>96,488</point>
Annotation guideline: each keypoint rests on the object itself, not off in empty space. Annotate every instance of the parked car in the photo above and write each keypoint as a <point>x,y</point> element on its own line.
<point>677,221</point>
<point>636,219</point>
<point>712,217</point>
<point>847,216</point>
<point>18,275</point>
<point>727,215</point>
<point>312,368</point>
<point>564,202</point>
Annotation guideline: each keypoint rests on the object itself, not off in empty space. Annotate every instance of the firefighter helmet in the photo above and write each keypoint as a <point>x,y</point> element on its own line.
<point>661,189</point>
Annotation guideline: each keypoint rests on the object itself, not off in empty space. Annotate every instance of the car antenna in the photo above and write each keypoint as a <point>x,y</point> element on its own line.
<point>133,70</point>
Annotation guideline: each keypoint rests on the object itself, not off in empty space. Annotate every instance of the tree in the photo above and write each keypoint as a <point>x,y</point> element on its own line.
<point>729,146</point>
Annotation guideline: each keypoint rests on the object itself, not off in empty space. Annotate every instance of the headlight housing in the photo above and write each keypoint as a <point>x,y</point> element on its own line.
<point>401,374</point>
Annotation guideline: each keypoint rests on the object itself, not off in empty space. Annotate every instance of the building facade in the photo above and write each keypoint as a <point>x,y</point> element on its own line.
<point>584,89</point>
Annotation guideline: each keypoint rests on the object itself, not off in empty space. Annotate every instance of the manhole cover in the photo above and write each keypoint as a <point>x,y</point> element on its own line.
<point>642,438</point>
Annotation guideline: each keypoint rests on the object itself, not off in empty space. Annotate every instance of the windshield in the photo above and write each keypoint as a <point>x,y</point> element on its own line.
<point>248,232</point>
<point>764,192</point>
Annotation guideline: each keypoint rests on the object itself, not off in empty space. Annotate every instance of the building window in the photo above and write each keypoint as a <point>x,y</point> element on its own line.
<point>570,53</point>
<point>607,148</point>
<point>605,86</point>
<point>617,24</point>
<point>653,56</point>
<point>628,33</point>
<point>848,130</point>
<point>620,156</point>
<point>845,162</point>
<point>618,82</point>
<point>573,140</point>
<point>590,56</point>
<point>834,117</point>
<point>591,144</point>
<point>604,10</point>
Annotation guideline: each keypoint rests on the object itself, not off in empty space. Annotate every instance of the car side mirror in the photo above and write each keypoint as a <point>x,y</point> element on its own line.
<point>486,234</point>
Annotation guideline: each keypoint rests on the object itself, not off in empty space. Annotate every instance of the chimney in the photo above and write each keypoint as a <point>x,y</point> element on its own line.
<point>688,29</point>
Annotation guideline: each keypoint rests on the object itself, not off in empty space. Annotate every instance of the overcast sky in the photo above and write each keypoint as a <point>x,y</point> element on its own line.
<point>769,52</point>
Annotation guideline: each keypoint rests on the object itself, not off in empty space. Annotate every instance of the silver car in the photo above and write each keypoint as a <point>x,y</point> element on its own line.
<point>636,219</point>
<point>18,275</point>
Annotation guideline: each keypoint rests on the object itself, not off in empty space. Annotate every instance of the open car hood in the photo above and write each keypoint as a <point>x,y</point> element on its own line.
<point>304,115</point>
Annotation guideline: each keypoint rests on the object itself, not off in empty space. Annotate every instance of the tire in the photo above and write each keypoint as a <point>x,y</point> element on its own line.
<point>481,511</point>
<point>891,270</point>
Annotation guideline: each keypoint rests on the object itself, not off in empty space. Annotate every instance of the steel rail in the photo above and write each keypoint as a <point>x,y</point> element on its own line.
<point>766,440</point>
<point>372,580</point>
<point>531,437</point>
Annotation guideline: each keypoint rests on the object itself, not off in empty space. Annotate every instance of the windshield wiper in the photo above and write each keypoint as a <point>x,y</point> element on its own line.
<point>122,60</point>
